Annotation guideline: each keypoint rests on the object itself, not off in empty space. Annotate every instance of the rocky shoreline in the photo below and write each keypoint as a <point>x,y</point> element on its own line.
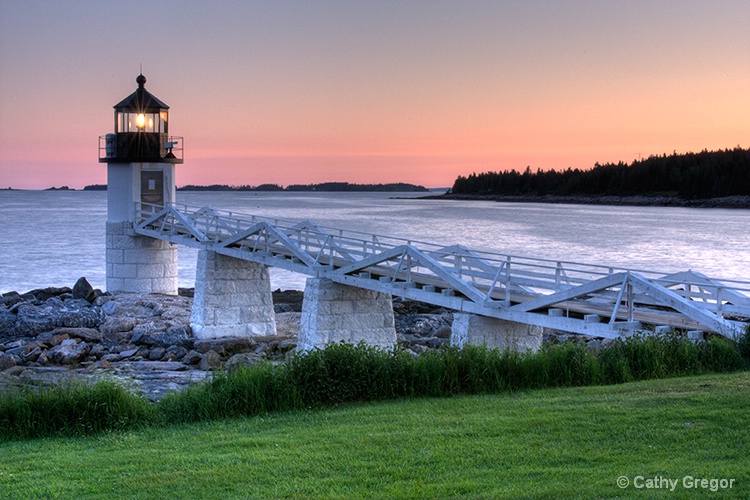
<point>51,335</point>
<point>639,201</point>
<point>144,341</point>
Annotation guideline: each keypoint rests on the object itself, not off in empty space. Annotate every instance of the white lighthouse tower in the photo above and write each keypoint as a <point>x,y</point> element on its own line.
<point>141,158</point>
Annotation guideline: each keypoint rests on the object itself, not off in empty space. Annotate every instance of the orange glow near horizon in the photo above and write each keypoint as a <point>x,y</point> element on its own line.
<point>375,92</point>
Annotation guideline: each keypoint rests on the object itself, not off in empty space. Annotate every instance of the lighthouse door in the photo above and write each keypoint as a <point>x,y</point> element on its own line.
<point>152,190</point>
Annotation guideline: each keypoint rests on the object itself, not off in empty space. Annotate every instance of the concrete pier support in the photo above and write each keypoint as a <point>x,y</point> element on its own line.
<point>232,298</point>
<point>494,333</point>
<point>138,264</point>
<point>332,312</point>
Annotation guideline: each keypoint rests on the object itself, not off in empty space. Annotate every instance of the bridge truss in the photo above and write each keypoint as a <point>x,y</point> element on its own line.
<point>587,299</point>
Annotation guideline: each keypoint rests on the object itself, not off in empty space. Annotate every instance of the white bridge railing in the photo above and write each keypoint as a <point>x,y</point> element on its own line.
<point>584,298</point>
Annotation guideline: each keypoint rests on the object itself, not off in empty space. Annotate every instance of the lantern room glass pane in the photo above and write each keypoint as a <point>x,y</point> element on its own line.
<point>140,122</point>
<point>163,122</point>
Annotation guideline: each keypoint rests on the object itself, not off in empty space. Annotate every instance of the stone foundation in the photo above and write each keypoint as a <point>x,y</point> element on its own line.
<point>139,264</point>
<point>494,333</point>
<point>332,313</point>
<point>232,298</point>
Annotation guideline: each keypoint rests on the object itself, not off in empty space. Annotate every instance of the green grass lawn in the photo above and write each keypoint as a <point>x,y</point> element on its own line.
<point>548,443</point>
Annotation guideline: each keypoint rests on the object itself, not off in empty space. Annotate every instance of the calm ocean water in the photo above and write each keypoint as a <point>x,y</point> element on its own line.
<point>51,238</point>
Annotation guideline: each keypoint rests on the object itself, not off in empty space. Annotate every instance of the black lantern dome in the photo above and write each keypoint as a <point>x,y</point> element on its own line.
<point>141,130</point>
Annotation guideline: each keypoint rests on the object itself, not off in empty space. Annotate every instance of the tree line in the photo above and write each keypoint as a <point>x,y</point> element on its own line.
<point>690,176</point>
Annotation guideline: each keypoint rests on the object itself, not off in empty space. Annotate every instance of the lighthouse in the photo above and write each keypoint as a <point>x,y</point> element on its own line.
<point>141,158</point>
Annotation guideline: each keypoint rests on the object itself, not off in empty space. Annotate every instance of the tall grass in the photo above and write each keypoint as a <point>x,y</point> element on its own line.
<point>72,409</point>
<point>344,373</point>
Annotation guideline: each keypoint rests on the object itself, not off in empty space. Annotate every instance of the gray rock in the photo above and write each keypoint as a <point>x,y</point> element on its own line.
<point>287,345</point>
<point>128,353</point>
<point>156,353</point>
<point>50,339</point>
<point>43,294</point>
<point>97,350</point>
<point>240,360</point>
<point>158,366</point>
<point>418,349</point>
<point>7,323</point>
<point>85,334</point>
<point>175,336</point>
<point>6,361</point>
<point>83,290</point>
<point>55,313</point>
<point>436,343</point>
<point>192,358</point>
<point>444,332</point>
<point>10,299</point>
<point>69,352</point>
<point>109,307</point>
<point>423,325</point>
<point>282,308</point>
<point>33,355</point>
<point>17,351</point>
<point>118,325</point>
<point>15,371</point>
<point>175,353</point>
<point>210,361</point>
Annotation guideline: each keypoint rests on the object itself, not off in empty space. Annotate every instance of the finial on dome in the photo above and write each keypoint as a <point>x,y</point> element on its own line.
<point>141,80</point>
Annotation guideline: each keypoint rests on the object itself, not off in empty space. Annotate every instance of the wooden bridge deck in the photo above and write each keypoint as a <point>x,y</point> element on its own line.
<point>583,298</point>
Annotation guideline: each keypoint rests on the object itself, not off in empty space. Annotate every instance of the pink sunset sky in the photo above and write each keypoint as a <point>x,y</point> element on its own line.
<point>372,92</point>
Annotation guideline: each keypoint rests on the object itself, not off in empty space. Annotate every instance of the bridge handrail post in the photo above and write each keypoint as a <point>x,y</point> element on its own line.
<point>495,280</point>
<point>631,311</point>
<point>507,280</point>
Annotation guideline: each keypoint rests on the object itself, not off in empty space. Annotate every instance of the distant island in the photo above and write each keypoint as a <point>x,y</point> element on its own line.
<point>323,187</point>
<point>705,179</point>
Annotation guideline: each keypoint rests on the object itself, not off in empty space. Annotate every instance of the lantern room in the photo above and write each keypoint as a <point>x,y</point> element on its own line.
<point>141,131</point>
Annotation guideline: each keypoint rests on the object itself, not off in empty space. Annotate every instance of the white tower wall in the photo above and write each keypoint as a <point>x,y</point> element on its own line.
<point>137,264</point>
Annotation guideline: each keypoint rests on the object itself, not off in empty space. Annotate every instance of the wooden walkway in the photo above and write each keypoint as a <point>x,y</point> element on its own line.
<point>588,299</point>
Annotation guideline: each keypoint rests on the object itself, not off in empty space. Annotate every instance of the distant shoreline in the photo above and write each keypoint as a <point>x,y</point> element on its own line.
<point>638,201</point>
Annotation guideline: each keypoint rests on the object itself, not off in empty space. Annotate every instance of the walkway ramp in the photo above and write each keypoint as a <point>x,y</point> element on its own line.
<point>589,299</point>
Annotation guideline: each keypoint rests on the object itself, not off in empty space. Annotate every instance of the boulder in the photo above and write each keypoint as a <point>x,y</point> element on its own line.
<point>178,335</point>
<point>6,361</point>
<point>7,324</point>
<point>244,359</point>
<point>444,332</point>
<point>10,299</point>
<point>287,345</point>
<point>423,325</point>
<point>192,358</point>
<point>156,353</point>
<point>69,352</point>
<point>54,313</point>
<point>51,339</point>
<point>43,294</point>
<point>175,353</point>
<point>83,290</point>
<point>210,361</point>
<point>128,353</point>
